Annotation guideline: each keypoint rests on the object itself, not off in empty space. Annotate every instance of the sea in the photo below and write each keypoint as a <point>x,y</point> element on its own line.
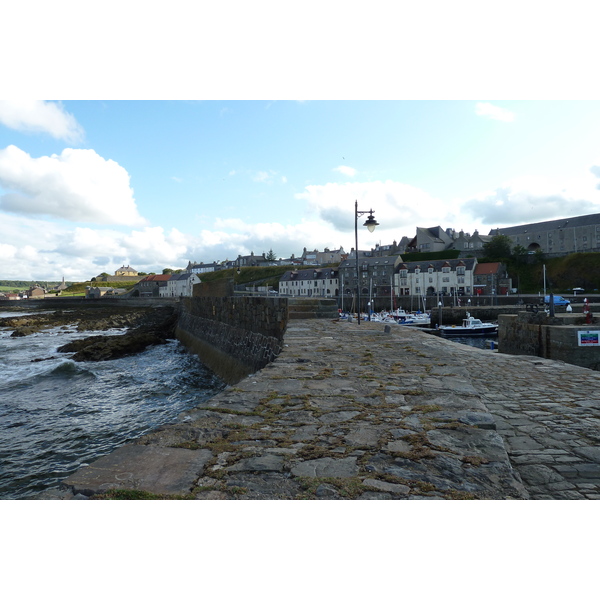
<point>58,415</point>
<point>477,341</point>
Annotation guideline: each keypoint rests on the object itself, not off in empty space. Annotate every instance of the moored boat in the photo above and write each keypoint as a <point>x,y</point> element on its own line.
<point>470,326</point>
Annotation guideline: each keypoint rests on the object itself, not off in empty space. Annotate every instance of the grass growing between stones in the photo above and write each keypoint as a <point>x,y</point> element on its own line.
<point>139,495</point>
<point>346,487</point>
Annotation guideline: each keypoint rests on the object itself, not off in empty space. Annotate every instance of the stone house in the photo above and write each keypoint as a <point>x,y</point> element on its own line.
<point>126,271</point>
<point>310,283</point>
<point>431,239</point>
<point>35,292</point>
<point>469,244</point>
<point>558,237</point>
<point>151,285</point>
<point>96,292</point>
<point>376,275</point>
<point>491,279</point>
<point>315,257</point>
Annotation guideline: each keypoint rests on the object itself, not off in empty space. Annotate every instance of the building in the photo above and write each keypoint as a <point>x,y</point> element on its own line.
<point>431,278</point>
<point>180,284</point>
<point>558,237</point>
<point>376,275</point>
<point>327,257</point>
<point>491,279</point>
<point>471,245</point>
<point>152,285</point>
<point>431,239</point>
<point>252,260</point>
<point>126,271</point>
<point>203,268</point>
<point>308,283</point>
<point>35,292</point>
<point>97,292</point>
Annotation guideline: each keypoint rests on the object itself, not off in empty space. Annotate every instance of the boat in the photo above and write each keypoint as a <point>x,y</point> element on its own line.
<point>470,326</point>
<point>415,320</point>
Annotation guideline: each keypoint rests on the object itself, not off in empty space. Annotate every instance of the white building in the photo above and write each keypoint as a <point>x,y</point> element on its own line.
<point>181,284</point>
<point>429,278</point>
<point>309,283</point>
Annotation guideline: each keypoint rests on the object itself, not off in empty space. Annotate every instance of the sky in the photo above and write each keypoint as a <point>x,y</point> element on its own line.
<point>88,186</point>
<point>252,130</point>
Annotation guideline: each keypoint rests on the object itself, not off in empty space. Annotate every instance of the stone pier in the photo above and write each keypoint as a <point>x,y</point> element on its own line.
<point>369,411</point>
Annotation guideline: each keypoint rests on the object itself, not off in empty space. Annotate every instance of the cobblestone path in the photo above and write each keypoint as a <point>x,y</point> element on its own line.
<point>548,414</point>
<point>365,411</point>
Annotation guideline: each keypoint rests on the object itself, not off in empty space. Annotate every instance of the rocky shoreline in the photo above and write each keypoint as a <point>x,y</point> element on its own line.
<point>146,326</point>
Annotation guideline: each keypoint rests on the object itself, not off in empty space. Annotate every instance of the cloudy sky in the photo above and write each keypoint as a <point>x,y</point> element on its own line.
<point>89,185</point>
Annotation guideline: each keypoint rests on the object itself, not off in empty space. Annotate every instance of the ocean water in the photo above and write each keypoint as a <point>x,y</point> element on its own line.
<point>57,415</point>
<point>477,341</point>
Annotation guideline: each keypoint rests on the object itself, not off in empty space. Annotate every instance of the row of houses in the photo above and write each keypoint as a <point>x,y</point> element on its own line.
<point>554,238</point>
<point>382,276</point>
<point>308,257</point>
<point>35,292</point>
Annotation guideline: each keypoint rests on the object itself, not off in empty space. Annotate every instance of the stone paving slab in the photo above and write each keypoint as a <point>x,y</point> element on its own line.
<point>352,411</point>
<point>156,469</point>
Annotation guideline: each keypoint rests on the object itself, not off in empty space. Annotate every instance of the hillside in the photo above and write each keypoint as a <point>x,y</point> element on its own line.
<point>269,276</point>
<point>562,274</point>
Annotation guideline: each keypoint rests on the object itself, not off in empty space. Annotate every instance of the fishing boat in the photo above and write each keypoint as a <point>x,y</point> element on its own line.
<point>470,326</point>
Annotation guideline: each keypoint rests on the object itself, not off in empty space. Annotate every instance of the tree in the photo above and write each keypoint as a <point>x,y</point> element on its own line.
<point>498,248</point>
<point>167,271</point>
<point>519,251</point>
<point>271,255</point>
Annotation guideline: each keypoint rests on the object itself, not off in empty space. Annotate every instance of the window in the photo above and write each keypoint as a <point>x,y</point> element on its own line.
<point>460,270</point>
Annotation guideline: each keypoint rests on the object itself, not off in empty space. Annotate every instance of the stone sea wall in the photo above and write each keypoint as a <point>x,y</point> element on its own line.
<point>233,336</point>
<point>556,338</point>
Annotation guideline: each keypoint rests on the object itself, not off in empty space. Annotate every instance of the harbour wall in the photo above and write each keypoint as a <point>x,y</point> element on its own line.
<point>234,337</point>
<point>556,338</point>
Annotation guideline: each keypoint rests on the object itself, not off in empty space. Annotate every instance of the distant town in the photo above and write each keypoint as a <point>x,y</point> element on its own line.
<point>435,262</point>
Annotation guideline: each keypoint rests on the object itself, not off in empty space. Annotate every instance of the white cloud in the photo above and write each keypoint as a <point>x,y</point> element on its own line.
<point>532,199</point>
<point>77,185</point>
<point>485,109</point>
<point>40,116</point>
<point>266,176</point>
<point>345,170</point>
<point>398,207</point>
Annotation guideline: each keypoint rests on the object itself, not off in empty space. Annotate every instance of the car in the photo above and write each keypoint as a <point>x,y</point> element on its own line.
<point>558,301</point>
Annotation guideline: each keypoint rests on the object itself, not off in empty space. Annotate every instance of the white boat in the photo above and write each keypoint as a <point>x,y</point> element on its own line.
<point>470,326</point>
<point>417,319</point>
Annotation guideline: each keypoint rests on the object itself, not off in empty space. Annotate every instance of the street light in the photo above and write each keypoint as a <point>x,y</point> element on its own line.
<point>370,224</point>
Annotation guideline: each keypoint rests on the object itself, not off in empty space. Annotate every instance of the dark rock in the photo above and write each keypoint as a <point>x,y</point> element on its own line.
<point>157,327</point>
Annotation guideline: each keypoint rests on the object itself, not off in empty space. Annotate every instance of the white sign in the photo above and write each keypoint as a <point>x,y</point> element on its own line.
<point>589,339</point>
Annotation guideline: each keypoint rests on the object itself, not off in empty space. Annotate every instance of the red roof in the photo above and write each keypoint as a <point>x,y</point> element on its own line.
<point>487,268</point>
<point>157,278</point>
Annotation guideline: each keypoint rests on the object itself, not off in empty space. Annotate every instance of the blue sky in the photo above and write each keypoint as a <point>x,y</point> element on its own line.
<point>86,186</point>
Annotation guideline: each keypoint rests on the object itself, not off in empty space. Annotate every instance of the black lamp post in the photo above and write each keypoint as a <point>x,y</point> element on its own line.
<point>370,224</point>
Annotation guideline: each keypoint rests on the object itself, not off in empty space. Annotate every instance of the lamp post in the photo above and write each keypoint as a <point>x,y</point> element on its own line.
<point>370,224</point>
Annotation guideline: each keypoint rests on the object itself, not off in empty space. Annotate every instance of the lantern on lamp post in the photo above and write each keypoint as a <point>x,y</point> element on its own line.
<point>370,224</point>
